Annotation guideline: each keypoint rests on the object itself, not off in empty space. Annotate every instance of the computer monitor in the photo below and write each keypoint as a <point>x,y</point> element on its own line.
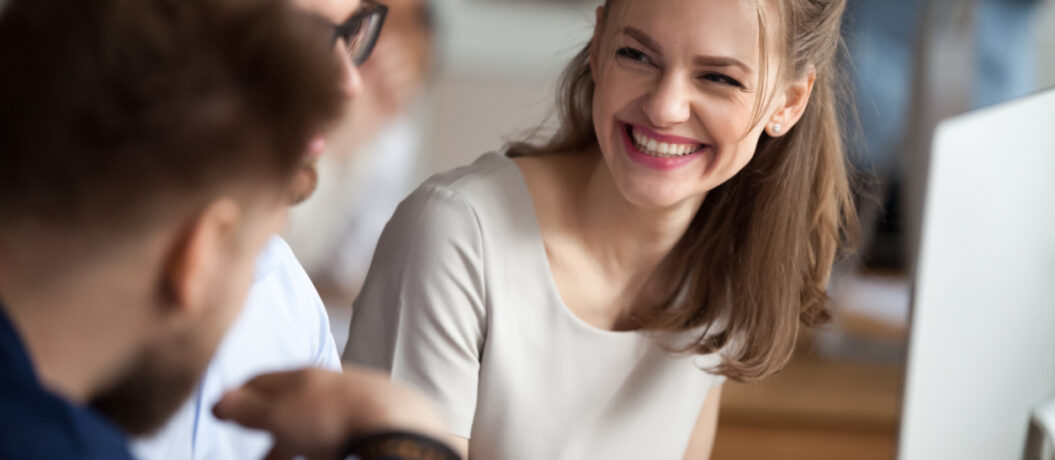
<point>981,349</point>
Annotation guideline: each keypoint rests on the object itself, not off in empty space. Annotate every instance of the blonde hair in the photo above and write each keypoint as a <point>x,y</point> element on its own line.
<point>756,259</point>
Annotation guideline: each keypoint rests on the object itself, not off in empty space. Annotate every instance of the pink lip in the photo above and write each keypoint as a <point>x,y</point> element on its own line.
<point>662,164</point>
<point>662,137</point>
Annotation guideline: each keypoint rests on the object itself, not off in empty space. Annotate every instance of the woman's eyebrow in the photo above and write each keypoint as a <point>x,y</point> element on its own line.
<point>642,38</point>
<point>720,61</point>
<point>702,60</point>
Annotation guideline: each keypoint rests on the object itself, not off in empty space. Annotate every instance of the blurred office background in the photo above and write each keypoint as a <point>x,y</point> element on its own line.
<point>454,79</point>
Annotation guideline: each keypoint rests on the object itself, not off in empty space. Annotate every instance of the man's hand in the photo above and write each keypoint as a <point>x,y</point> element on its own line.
<point>314,412</point>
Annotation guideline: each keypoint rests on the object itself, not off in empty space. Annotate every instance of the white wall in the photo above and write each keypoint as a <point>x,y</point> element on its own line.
<point>500,62</point>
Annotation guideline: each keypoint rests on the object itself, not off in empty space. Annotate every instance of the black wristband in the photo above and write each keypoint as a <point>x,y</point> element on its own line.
<point>398,446</point>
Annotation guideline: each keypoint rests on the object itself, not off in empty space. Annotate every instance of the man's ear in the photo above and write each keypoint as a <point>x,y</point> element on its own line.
<point>595,42</point>
<point>305,181</point>
<point>197,253</point>
<point>795,99</point>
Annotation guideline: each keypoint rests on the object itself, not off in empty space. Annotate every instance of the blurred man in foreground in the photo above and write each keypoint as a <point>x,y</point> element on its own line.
<point>148,149</point>
<point>284,324</point>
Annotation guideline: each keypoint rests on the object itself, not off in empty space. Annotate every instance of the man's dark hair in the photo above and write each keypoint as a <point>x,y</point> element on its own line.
<point>116,109</point>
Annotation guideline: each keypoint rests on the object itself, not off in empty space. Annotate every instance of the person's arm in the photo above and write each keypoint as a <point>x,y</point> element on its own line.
<point>702,441</point>
<point>320,414</point>
<point>421,316</point>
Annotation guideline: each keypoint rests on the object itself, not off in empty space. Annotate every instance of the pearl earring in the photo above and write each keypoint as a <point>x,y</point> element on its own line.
<point>777,128</point>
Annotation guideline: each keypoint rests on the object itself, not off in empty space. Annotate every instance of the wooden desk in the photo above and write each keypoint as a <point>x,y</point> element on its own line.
<point>816,409</point>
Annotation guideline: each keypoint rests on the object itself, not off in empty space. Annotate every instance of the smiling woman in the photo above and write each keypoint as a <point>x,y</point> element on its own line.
<point>762,142</point>
<point>595,289</point>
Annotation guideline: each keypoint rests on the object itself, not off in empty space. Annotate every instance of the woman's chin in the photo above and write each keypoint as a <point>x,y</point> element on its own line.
<point>655,190</point>
<point>659,197</point>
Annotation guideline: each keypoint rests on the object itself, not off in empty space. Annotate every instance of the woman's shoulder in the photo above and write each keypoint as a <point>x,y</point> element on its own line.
<point>491,189</point>
<point>490,175</point>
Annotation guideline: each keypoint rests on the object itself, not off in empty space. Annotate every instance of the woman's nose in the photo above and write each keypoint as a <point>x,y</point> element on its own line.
<point>668,104</point>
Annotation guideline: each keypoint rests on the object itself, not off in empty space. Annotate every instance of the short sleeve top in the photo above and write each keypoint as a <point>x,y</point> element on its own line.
<point>460,302</point>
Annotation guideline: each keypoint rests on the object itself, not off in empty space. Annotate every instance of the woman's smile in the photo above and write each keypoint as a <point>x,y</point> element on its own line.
<point>657,151</point>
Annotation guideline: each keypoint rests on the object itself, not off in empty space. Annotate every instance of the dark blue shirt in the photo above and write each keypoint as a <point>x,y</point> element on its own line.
<point>36,423</point>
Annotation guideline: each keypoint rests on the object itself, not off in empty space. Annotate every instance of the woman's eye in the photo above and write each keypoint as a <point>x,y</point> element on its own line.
<point>633,55</point>
<point>722,79</point>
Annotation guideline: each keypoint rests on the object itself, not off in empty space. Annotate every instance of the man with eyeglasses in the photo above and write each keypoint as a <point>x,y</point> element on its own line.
<point>147,151</point>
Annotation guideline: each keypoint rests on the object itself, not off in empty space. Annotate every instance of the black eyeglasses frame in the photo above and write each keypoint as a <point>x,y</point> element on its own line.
<point>369,11</point>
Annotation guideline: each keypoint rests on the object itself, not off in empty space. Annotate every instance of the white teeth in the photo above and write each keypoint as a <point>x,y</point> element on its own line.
<point>661,149</point>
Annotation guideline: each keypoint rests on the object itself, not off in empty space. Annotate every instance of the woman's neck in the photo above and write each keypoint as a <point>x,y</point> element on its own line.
<point>624,237</point>
<point>606,254</point>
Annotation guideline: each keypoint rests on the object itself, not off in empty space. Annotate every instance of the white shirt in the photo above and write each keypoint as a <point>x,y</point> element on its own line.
<point>460,302</point>
<point>283,326</point>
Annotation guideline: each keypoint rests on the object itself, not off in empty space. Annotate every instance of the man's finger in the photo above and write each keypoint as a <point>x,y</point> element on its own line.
<point>279,452</point>
<point>245,407</point>
<point>276,382</point>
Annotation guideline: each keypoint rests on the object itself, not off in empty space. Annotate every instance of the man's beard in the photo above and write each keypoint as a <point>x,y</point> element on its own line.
<point>149,394</point>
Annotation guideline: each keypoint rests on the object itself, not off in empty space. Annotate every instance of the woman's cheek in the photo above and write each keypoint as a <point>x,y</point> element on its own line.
<point>726,122</point>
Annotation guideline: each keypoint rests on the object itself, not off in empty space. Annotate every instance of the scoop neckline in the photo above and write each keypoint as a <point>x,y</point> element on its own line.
<point>550,282</point>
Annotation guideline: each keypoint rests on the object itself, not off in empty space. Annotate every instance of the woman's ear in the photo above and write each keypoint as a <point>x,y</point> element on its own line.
<point>793,104</point>
<point>196,254</point>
